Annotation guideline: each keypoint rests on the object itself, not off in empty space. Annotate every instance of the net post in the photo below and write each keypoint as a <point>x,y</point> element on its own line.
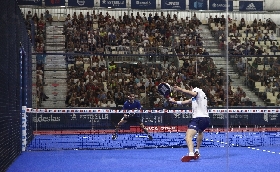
<point>23,128</point>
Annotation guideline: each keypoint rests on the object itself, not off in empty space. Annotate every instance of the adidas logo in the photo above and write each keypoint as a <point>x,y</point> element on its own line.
<point>251,7</point>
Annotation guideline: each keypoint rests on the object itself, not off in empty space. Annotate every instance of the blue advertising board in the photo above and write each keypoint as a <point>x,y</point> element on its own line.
<point>198,4</point>
<point>220,5</point>
<point>250,5</point>
<point>109,120</point>
<point>54,2</point>
<point>30,2</point>
<point>143,4</point>
<point>173,4</point>
<point>81,3</point>
<point>113,3</point>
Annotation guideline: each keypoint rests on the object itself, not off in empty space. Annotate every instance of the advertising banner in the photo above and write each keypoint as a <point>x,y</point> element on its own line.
<point>220,5</point>
<point>250,6</point>
<point>113,3</point>
<point>60,120</point>
<point>81,3</point>
<point>173,4</point>
<point>54,2</point>
<point>30,2</point>
<point>198,4</point>
<point>143,4</point>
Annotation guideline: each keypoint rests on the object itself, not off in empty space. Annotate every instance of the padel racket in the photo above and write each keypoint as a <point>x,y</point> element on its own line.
<point>165,89</point>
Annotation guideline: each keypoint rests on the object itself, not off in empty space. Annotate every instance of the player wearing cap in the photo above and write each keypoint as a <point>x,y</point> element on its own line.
<point>131,104</point>
<point>200,117</point>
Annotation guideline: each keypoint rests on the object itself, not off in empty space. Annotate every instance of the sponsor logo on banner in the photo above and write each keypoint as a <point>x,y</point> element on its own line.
<point>198,4</point>
<point>143,4</point>
<point>81,3</point>
<point>220,5</point>
<point>55,2</point>
<point>173,4</point>
<point>251,7</point>
<point>115,4</point>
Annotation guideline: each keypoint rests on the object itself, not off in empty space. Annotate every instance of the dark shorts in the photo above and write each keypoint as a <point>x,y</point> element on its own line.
<point>133,119</point>
<point>199,124</point>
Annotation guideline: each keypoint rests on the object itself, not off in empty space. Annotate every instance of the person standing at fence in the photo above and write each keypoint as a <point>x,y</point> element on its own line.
<point>200,117</point>
<point>131,104</point>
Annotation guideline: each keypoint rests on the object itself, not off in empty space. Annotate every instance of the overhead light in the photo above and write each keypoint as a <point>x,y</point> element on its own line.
<point>109,7</point>
<point>62,6</point>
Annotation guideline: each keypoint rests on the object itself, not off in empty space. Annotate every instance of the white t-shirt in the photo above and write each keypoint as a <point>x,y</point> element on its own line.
<point>199,104</point>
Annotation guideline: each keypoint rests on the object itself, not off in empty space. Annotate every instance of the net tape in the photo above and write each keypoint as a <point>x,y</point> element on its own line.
<point>31,110</point>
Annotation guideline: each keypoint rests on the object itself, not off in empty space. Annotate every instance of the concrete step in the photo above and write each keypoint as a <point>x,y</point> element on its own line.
<point>54,32</point>
<point>54,48</point>
<point>55,66</point>
<point>55,82</point>
<point>55,51</point>
<point>56,93</point>
<point>54,28</point>
<point>53,103</point>
<point>55,40</point>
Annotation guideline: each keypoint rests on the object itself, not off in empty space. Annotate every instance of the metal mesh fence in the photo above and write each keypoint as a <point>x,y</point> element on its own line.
<point>13,34</point>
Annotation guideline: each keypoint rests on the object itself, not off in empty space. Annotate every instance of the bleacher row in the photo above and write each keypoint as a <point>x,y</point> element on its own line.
<point>260,36</point>
<point>139,49</point>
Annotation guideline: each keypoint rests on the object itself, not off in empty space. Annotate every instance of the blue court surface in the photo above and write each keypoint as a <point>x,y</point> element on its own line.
<point>235,151</point>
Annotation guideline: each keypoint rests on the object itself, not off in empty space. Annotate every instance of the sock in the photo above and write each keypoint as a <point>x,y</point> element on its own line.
<point>191,154</point>
<point>196,150</point>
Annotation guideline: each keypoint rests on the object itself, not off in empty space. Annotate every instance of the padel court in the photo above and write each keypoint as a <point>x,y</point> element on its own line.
<point>241,149</point>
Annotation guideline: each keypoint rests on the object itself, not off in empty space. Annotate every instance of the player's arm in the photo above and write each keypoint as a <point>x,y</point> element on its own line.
<point>192,93</point>
<point>138,105</point>
<point>180,102</point>
<point>125,107</point>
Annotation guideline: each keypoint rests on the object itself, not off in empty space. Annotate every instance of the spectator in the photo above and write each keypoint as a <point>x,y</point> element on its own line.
<point>48,17</point>
<point>240,67</point>
<point>278,99</point>
<point>273,48</point>
<point>272,37</point>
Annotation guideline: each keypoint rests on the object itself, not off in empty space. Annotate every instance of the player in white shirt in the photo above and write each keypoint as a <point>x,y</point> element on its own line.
<point>200,117</point>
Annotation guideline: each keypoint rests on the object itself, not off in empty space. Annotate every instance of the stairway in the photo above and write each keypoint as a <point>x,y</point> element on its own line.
<point>221,62</point>
<point>55,73</point>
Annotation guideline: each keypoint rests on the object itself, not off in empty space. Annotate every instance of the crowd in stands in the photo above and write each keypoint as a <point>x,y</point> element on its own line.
<point>106,84</point>
<point>248,42</point>
<point>36,27</point>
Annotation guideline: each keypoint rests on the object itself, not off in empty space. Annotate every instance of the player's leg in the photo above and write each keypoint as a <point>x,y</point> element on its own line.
<point>203,123</point>
<point>145,130</point>
<point>122,121</point>
<point>198,142</point>
<point>191,132</point>
<point>189,137</point>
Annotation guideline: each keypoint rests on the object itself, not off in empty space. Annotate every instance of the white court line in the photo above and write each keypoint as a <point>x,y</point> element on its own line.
<point>263,150</point>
